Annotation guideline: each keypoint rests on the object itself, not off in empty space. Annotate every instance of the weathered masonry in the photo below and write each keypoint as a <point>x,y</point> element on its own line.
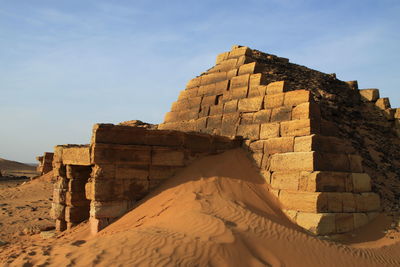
<point>284,113</point>
<point>103,180</point>
<point>315,139</point>
<point>45,163</point>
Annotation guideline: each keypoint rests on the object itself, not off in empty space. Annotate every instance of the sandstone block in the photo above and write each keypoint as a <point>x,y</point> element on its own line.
<point>303,201</point>
<point>221,87</point>
<point>273,101</point>
<point>239,51</point>
<point>231,106</point>
<point>335,202</point>
<point>127,171</point>
<point>206,90</point>
<point>59,195</point>
<point>294,98</point>
<point>194,82</point>
<point>213,78</point>
<point>76,214</point>
<point>293,161</point>
<point>76,185</point>
<point>221,57</point>
<point>383,103</point>
<point>57,211</point>
<point>262,116</point>
<point>204,111</point>
<point>257,158</point>
<point>179,106</point>
<point>317,223</point>
<point>201,124</point>
<point>285,180</point>
<point>323,181</point>
<point>227,65</point>
<point>299,127</point>
<point>397,113</point>
<point>214,122</point>
<point>117,134</point>
<point>246,118</point>
<point>322,144</point>
<point>230,123</point>
<point>257,146</point>
<point>360,219</point>
<point>240,81</point>
<point>238,93</point>
<point>367,202</point>
<point>106,153</point>
<point>328,128</point>
<point>251,132</point>
<point>61,225</point>
<point>250,68</point>
<point>344,222</point>
<point>389,113</point>
<point>162,156</point>
<point>61,184</point>
<point>276,87</point>
<point>231,73</point>
<point>78,172</point>
<point>355,163</point>
<point>208,100</point>
<point>369,95</point>
<point>76,199</point>
<point>103,171</point>
<point>188,93</point>
<point>332,162</point>
<point>269,130</point>
<point>308,110</point>
<point>171,116</point>
<point>162,173</point>
<point>266,176</point>
<point>348,202</point>
<point>250,104</point>
<point>164,138</point>
<point>111,209</point>
<point>197,142</point>
<point>243,60</point>
<point>361,182</point>
<point>216,110</point>
<point>76,155</point>
<point>278,145</point>
<point>281,114</point>
<point>256,80</point>
<point>257,91</point>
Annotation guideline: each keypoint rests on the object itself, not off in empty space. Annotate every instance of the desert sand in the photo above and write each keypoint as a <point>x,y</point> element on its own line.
<point>216,212</point>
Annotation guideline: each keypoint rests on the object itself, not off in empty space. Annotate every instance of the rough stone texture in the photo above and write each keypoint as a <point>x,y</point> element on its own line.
<point>103,180</point>
<point>322,144</point>
<point>45,163</point>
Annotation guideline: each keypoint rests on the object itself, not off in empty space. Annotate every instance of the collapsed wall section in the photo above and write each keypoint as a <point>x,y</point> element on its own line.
<point>121,166</point>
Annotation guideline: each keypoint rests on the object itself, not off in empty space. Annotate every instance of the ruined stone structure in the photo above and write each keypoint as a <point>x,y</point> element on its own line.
<point>321,143</point>
<point>45,163</point>
<point>103,180</point>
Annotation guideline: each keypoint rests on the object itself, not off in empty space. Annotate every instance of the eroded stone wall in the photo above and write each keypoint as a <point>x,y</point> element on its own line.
<point>45,163</point>
<point>103,180</point>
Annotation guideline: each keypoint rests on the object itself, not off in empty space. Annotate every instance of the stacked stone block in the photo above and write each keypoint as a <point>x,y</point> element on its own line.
<point>103,180</point>
<point>372,96</point>
<point>72,169</point>
<point>45,163</point>
<point>317,176</point>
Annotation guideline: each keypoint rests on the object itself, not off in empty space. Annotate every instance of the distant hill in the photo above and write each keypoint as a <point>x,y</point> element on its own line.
<point>14,165</point>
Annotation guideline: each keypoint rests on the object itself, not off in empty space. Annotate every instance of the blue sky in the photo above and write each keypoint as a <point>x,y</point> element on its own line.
<point>66,65</point>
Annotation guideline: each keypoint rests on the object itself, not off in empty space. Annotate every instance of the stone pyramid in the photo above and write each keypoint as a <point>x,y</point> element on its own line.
<point>330,152</point>
<point>290,118</point>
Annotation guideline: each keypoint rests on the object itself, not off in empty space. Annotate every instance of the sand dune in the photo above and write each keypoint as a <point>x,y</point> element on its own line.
<point>216,212</point>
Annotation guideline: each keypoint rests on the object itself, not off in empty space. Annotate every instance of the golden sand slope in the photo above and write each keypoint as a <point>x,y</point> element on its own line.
<point>216,212</point>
